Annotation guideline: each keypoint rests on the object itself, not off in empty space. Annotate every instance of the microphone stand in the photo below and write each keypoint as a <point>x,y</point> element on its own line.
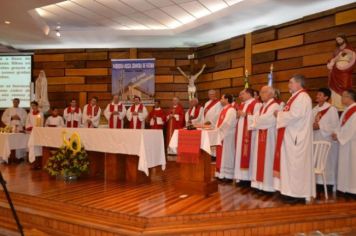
<point>3,183</point>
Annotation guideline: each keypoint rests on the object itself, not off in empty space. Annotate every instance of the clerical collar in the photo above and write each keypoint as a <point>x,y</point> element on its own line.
<point>325,104</point>
<point>353,104</point>
<point>249,100</point>
<point>269,101</point>
<point>296,92</point>
<point>157,108</point>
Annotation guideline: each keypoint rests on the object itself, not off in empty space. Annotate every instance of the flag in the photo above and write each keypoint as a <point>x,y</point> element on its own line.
<point>270,79</point>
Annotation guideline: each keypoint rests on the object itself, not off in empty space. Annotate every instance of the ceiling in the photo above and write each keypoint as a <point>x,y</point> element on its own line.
<point>143,23</point>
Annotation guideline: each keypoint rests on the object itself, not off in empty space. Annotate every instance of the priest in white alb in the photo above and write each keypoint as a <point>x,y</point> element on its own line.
<point>326,120</point>
<point>35,117</point>
<point>264,122</point>
<point>73,115</point>
<point>115,113</point>
<point>137,114</point>
<point>194,115</point>
<point>15,116</point>
<point>244,136</point>
<point>293,161</point>
<point>225,153</point>
<point>346,136</point>
<point>54,120</point>
<point>91,114</point>
<point>212,109</point>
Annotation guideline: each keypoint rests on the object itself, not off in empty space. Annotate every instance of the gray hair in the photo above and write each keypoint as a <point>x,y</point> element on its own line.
<point>300,79</point>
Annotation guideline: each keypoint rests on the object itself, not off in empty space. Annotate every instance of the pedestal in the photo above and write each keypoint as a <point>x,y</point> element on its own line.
<point>197,178</point>
<point>120,167</point>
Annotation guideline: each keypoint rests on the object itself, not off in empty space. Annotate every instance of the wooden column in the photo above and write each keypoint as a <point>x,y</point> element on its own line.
<point>248,53</point>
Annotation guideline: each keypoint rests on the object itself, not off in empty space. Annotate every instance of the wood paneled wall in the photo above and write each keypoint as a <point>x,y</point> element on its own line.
<point>302,46</point>
<point>84,73</point>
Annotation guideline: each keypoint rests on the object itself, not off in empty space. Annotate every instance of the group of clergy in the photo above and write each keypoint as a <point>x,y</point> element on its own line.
<point>270,146</point>
<point>265,143</point>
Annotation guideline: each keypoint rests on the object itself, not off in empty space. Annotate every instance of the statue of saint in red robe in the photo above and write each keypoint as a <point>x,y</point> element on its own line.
<point>341,67</point>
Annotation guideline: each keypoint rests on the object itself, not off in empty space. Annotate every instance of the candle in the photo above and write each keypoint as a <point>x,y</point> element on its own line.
<point>38,121</point>
<point>246,73</point>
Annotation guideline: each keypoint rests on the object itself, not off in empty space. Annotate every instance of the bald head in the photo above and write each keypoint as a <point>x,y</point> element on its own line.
<point>212,94</point>
<point>266,93</point>
<point>175,101</point>
<point>193,102</point>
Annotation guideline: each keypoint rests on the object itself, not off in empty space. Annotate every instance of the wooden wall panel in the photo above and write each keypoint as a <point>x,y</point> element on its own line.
<point>330,33</point>
<point>50,57</point>
<point>308,26</point>
<point>66,80</point>
<point>277,44</point>
<point>263,36</point>
<point>345,17</point>
<point>91,71</point>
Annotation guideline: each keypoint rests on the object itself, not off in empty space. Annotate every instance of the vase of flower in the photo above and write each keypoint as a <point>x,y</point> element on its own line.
<point>70,176</point>
<point>68,162</point>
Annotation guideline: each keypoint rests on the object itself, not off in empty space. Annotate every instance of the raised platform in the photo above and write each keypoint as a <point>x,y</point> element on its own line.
<point>95,207</point>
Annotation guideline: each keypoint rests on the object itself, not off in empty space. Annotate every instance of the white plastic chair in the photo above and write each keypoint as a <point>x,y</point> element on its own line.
<point>320,157</point>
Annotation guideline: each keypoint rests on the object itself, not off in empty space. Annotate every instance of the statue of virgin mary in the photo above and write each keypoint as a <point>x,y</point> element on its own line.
<point>41,93</point>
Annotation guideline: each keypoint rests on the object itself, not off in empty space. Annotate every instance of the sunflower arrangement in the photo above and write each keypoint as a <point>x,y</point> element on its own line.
<point>69,160</point>
<point>6,129</point>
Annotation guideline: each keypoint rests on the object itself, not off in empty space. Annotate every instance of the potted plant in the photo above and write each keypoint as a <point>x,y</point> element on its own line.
<point>70,160</point>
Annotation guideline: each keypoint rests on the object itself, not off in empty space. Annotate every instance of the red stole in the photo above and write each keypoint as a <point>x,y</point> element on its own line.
<point>211,104</point>
<point>138,122</point>
<point>261,148</point>
<point>90,110</point>
<point>246,138</point>
<point>341,80</point>
<point>280,136</point>
<point>320,114</point>
<point>75,122</point>
<point>111,120</point>
<point>196,112</point>
<point>157,113</point>
<point>219,148</point>
<point>347,115</point>
<point>278,101</point>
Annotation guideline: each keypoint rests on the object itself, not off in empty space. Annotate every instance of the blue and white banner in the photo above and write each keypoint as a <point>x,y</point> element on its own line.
<point>134,77</point>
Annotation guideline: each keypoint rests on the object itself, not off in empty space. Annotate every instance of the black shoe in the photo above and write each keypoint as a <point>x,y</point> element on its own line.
<point>228,181</point>
<point>292,200</point>
<point>244,183</point>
